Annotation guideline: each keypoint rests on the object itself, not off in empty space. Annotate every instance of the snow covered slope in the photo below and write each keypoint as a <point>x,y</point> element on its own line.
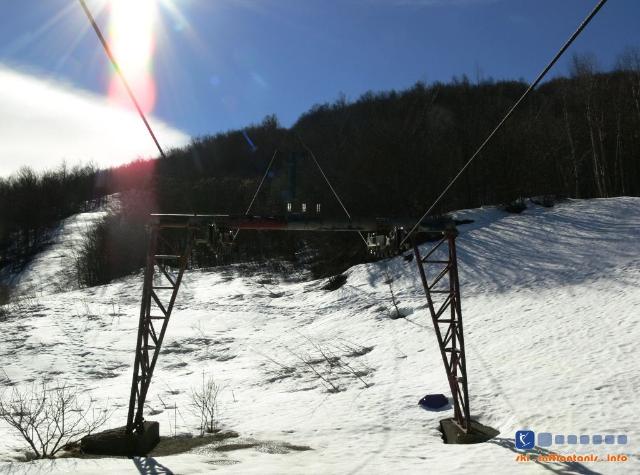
<point>550,300</point>
<point>53,270</point>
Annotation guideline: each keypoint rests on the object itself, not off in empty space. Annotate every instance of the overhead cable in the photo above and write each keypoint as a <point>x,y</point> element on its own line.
<point>533,85</point>
<point>116,67</point>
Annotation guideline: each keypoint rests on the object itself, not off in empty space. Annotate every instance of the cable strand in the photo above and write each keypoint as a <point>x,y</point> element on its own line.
<point>335,193</point>
<point>531,87</point>
<point>116,67</point>
<point>255,195</point>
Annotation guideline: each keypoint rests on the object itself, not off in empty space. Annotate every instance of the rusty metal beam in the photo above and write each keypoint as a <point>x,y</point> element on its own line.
<point>442,289</point>
<point>154,313</point>
<point>295,222</point>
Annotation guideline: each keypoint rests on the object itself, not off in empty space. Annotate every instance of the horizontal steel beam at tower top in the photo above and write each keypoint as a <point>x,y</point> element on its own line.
<point>299,222</point>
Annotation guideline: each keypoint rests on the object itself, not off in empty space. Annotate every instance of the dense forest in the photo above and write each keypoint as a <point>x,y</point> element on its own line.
<point>31,204</point>
<point>387,154</point>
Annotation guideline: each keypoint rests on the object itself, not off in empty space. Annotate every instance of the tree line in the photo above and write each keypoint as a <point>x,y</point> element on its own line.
<point>31,204</point>
<point>391,153</point>
<point>387,154</point>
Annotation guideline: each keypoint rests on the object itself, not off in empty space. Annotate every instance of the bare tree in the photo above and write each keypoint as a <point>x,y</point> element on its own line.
<point>204,401</point>
<point>584,69</point>
<point>50,418</point>
<point>575,162</point>
<point>389,281</point>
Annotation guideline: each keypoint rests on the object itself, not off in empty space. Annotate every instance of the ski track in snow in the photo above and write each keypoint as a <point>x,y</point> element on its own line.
<point>550,303</point>
<point>53,269</point>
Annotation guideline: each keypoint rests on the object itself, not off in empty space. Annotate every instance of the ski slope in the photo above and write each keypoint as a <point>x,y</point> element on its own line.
<point>550,302</point>
<point>53,270</point>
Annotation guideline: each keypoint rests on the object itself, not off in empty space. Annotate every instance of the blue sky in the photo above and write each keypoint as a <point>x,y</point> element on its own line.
<point>223,64</point>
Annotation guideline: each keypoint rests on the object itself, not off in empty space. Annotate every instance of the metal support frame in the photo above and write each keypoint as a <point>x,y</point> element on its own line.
<point>165,268</point>
<point>162,277</point>
<point>439,274</point>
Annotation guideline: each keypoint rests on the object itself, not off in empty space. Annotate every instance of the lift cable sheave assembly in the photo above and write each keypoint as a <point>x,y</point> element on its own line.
<point>324,176</point>
<point>167,260</point>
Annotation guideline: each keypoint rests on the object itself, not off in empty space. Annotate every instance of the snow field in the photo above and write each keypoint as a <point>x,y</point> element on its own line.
<point>550,305</point>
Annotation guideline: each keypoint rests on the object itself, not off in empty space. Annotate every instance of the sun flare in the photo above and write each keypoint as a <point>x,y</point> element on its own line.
<point>132,34</point>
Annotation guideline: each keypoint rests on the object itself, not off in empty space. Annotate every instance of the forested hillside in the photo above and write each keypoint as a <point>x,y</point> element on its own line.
<point>391,153</point>
<point>387,154</point>
<point>32,203</point>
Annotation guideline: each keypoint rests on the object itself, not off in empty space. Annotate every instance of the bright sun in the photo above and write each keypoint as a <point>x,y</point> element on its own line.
<point>132,36</point>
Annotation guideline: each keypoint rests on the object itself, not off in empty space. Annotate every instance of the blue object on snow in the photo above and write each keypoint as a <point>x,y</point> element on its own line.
<point>433,401</point>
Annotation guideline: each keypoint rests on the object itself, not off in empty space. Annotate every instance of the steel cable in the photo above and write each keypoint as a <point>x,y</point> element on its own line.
<point>107,50</point>
<point>582,26</point>
<point>255,195</point>
<point>335,193</point>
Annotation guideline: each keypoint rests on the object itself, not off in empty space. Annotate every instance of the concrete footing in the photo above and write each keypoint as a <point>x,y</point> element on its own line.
<point>452,433</point>
<point>118,442</point>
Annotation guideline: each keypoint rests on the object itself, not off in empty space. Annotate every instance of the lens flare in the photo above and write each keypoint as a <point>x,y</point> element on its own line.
<point>132,26</point>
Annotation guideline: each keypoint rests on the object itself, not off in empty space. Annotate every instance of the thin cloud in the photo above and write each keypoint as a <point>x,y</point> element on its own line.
<point>44,122</point>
